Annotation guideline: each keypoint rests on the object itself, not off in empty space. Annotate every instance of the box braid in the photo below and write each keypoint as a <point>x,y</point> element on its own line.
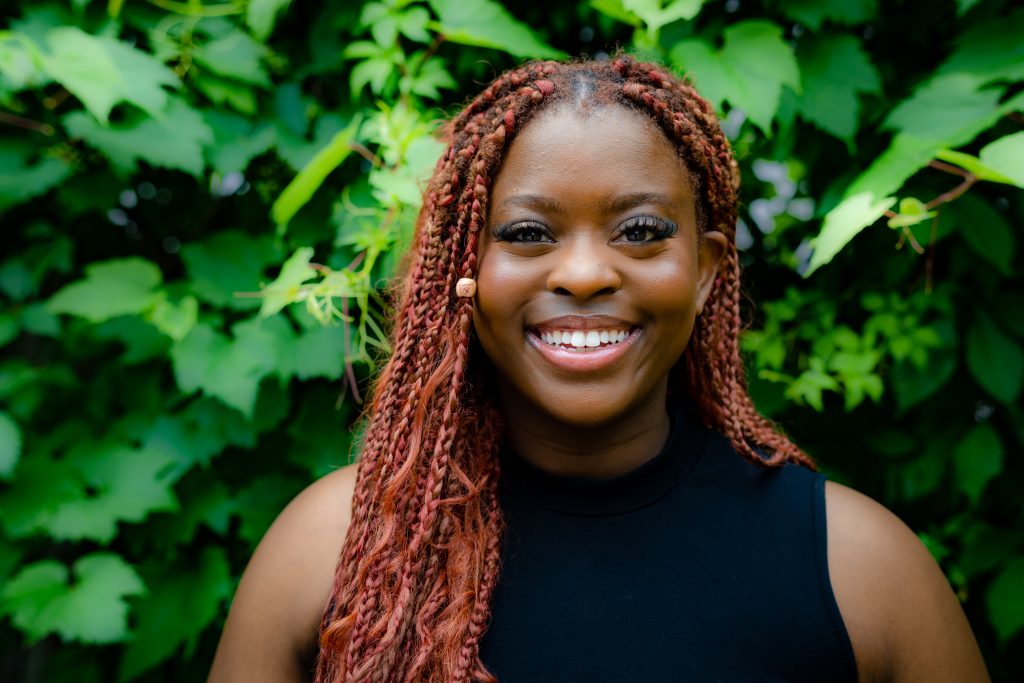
<point>412,589</point>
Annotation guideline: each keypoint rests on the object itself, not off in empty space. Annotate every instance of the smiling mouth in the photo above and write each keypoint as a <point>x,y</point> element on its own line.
<point>582,340</point>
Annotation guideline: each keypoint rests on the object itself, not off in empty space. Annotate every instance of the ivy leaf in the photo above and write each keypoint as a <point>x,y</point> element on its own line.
<point>102,72</point>
<point>311,177</point>
<point>986,231</point>
<point>262,15</point>
<point>320,353</point>
<point>285,289</point>
<point>1005,156</point>
<point>91,609</point>
<point>234,55</point>
<point>978,458</point>
<point>128,485</point>
<point>912,384</point>
<point>1005,600</point>
<point>749,71</point>
<point>188,600</point>
<point>842,224</point>
<point>226,264</point>
<point>21,180</point>
<point>236,141</point>
<point>990,50</point>
<point>994,359</point>
<point>813,13</point>
<point>174,141</point>
<point>486,23</point>
<point>175,319</point>
<point>109,289</point>
<point>949,110</point>
<point>655,16</point>
<point>10,445</point>
<point>835,69</point>
<point>230,370</point>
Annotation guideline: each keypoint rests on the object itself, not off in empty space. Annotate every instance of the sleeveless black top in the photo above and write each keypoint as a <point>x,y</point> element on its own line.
<point>695,566</point>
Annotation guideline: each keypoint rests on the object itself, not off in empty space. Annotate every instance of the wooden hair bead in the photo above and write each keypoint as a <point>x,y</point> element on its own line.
<point>465,287</point>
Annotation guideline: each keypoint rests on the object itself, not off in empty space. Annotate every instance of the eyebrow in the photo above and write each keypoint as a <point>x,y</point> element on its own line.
<point>612,204</point>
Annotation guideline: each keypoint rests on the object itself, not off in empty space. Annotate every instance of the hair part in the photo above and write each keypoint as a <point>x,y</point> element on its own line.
<point>412,589</point>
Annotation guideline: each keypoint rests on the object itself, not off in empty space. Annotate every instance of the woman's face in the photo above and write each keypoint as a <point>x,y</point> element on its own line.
<point>591,271</point>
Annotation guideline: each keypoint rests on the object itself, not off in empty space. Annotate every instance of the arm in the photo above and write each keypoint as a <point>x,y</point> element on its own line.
<point>904,622</point>
<point>271,629</point>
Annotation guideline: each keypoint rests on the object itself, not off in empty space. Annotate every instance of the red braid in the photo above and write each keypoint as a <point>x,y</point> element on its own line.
<point>412,590</point>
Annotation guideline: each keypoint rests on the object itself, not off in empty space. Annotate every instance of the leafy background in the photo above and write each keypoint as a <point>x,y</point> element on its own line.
<point>203,203</point>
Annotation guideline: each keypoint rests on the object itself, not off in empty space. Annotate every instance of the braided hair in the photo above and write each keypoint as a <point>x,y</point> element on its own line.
<point>412,590</point>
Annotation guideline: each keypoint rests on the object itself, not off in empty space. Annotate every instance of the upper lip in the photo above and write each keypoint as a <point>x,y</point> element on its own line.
<point>583,323</point>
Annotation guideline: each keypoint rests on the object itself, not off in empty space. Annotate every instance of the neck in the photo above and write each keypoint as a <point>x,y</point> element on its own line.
<point>588,450</point>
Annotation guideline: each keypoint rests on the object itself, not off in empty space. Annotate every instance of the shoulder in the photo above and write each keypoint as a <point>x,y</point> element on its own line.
<point>283,591</point>
<point>904,622</point>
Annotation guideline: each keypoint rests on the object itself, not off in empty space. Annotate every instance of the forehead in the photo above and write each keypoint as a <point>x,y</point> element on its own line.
<point>612,150</point>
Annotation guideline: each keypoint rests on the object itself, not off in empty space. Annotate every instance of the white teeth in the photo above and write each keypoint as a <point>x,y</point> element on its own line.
<point>584,340</point>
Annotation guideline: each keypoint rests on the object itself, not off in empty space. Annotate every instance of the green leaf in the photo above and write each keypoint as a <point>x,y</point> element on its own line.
<point>654,15</point>
<point>986,231</point>
<point>10,445</point>
<point>285,289</point>
<point>320,353</point>
<point>486,23</point>
<point>226,264</point>
<point>261,501</point>
<point>973,165</point>
<point>124,484</point>
<point>911,212</point>
<point>949,110</point>
<point>1005,600</point>
<point>184,601</point>
<point>40,600</point>
<point>990,50</point>
<point>313,174</point>
<point>175,319</point>
<point>843,223</point>
<point>749,71</point>
<point>236,141</point>
<point>233,55</point>
<point>21,181</point>
<point>174,141</point>
<point>261,15</point>
<point>102,72</point>
<point>913,385</point>
<point>834,70</point>
<point>230,370</point>
<point>110,288</point>
<point>978,458</point>
<point>994,359</point>
<point>1006,157</point>
<point>813,13</point>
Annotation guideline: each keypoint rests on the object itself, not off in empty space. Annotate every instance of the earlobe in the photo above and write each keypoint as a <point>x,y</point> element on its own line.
<point>711,251</point>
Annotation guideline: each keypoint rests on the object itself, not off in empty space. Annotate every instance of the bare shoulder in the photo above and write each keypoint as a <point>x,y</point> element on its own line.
<point>904,621</point>
<point>275,614</point>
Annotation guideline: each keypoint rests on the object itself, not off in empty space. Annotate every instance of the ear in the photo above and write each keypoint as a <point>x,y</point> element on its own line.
<point>712,248</point>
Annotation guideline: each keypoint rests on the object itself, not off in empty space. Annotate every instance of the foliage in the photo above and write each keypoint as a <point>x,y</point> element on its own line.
<point>207,201</point>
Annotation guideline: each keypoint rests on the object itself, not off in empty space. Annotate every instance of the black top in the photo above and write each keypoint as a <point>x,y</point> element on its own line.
<point>695,566</point>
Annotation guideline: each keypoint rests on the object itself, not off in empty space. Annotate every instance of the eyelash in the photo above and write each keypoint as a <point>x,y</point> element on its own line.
<point>660,229</point>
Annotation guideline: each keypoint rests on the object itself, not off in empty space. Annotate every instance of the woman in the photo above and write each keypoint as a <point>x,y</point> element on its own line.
<point>564,477</point>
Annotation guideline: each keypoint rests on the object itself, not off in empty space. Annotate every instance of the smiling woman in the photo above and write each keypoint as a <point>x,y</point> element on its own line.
<point>564,477</point>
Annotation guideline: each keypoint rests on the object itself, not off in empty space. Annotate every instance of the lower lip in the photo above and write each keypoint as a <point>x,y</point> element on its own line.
<point>587,360</point>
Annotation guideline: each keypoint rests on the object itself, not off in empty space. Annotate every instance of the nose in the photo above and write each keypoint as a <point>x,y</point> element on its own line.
<point>583,271</point>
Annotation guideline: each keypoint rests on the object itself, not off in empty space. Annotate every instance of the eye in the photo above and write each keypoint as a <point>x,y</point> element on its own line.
<point>526,231</point>
<point>646,229</point>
